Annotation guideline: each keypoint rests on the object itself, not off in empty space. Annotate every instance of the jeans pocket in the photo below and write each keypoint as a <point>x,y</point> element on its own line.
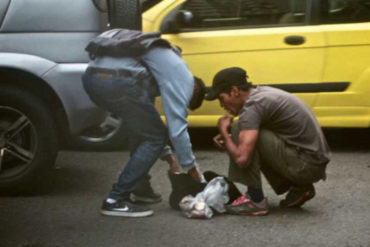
<point>108,87</point>
<point>126,86</point>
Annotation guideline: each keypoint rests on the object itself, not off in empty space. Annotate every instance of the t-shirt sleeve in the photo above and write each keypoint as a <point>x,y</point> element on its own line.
<point>250,118</point>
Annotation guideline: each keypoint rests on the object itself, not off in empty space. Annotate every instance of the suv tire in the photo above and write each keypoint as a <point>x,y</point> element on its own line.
<point>28,142</point>
<point>125,14</point>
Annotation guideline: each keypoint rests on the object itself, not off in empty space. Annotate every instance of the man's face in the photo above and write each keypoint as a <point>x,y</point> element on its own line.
<point>231,102</point>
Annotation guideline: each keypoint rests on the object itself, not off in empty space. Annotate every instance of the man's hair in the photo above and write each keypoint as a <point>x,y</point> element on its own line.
<point>198,95</point>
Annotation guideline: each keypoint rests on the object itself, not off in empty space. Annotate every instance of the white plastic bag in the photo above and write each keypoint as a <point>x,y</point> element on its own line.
<point>213,196</point>
<point>194,207</point>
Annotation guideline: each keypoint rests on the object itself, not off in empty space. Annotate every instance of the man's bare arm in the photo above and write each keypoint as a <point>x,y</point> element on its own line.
<point>242,153</point>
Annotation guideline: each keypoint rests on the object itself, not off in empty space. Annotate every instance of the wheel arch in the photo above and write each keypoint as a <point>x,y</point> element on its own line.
<point>18,78</point>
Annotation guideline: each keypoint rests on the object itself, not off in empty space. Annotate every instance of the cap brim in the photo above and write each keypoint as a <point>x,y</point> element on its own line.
<point>211,94</point>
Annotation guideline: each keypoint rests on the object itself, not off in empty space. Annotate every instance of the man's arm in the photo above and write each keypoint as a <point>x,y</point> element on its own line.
<point>242,152</point>
<point>176,85</point>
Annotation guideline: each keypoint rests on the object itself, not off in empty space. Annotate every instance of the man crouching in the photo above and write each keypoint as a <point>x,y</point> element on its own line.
<point>276,133</point>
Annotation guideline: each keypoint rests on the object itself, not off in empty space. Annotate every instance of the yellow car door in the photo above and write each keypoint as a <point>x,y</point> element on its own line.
<point>270,39</point>
<point>346,25</point>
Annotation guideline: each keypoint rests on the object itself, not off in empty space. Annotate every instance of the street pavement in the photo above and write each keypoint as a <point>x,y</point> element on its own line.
<point>68,214</point>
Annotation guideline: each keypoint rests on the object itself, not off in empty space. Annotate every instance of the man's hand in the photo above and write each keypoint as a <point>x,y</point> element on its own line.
<point>224,124</point>
<point>219,142</point>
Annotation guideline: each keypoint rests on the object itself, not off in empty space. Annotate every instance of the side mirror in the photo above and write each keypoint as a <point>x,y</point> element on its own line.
<point>183,18</point>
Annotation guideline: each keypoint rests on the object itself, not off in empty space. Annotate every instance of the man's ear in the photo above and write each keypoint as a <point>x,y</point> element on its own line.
<point>234,91</point>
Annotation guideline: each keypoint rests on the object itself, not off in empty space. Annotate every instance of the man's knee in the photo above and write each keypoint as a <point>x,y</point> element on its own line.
<point>159,141</point>
<point>266,139</point>
<point>266,135</point>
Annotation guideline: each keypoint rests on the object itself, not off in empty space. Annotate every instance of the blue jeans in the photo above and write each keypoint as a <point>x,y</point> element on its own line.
<point>133,101</point>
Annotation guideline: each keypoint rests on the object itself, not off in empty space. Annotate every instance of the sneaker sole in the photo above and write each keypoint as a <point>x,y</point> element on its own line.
<point>136,198</point>
<point>308,195</point>
<point>259,213</point>
<point>127,214</point>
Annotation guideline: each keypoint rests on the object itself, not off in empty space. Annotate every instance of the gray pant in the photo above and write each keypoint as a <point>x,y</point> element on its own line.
<point>279,162</point>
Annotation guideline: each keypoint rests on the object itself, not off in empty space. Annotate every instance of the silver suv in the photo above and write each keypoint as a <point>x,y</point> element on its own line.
<point>42,103</point>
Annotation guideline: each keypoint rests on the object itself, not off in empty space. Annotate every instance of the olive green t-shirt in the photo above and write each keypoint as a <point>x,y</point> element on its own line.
<point>289,118</point>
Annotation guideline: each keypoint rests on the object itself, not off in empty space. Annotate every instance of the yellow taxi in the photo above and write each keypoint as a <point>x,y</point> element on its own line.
<point>318,50</point>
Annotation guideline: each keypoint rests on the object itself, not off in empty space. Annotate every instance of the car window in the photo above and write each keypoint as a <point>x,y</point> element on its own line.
<point>148,4</point>
<point>145,4</point>
<point>101,5</point>
<point>221,14</point>
<point>4,5</point>
<point>345,11</point>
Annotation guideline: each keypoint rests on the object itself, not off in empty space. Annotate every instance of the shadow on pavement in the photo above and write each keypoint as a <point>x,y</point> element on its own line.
<point>348,139</point>
<point>341,139</point>
<point>77,179</point>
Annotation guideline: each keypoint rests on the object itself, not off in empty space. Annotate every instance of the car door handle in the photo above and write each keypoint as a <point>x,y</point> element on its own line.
<point>295,40</point>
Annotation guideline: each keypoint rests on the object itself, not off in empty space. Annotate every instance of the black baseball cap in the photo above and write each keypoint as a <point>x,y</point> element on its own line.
<point>226,78</point>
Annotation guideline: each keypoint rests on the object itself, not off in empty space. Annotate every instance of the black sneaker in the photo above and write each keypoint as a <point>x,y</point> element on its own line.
<point>296,197</point>
<point>125,208</point>
<point>146,197</point>
<point>145,193</point>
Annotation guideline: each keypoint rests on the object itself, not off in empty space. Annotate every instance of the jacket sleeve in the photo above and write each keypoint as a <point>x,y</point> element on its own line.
<point>176,84</point>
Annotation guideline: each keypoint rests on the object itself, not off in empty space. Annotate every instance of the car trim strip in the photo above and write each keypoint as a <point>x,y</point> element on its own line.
<point>311,87</point>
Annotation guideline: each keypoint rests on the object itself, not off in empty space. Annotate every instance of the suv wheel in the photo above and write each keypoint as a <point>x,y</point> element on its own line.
<point>125,14</point>
<point>28,142</point>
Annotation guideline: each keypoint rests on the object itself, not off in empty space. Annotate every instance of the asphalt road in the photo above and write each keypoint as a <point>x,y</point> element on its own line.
<point>68,215</point>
